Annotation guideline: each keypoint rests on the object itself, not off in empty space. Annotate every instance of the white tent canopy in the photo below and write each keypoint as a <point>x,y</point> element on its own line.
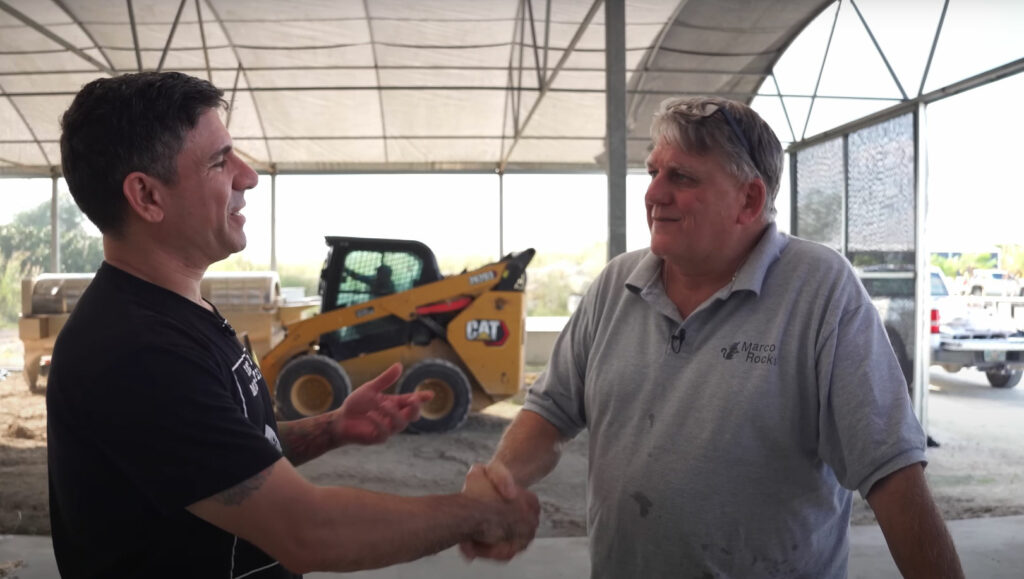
<point>390,85</point>
<point>508,85</point>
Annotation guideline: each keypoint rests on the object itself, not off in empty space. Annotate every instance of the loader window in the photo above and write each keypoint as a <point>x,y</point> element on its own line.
<point>371,274</point>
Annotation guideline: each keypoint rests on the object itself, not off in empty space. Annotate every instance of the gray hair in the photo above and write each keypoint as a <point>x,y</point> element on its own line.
<point>745,143</point>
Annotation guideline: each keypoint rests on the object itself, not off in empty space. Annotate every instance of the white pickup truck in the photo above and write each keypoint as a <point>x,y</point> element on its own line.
<point>991,282</point>
<point>971,337</point>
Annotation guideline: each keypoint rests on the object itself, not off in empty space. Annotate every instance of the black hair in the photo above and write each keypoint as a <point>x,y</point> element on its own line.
<point>133,122</point>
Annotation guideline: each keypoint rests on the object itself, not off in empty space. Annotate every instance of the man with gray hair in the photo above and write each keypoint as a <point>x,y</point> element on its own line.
<point>737,384</point>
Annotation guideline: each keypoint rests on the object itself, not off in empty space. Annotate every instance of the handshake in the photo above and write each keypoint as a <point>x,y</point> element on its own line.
<point>510,516</point>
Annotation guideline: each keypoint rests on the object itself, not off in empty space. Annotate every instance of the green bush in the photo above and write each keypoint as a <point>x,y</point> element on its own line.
<point>25,251</point>
<point>10,298</point>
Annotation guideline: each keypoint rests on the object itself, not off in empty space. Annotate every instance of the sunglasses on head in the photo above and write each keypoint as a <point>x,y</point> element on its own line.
<point>708,109</point>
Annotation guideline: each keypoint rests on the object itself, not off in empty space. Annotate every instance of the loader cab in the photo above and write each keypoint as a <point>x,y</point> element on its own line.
<point>358,270</point>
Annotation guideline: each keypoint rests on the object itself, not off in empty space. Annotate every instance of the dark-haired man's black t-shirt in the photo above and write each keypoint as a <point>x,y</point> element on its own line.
<point>152,405</point>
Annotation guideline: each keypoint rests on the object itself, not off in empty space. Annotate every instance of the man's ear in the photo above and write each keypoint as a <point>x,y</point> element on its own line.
<point>145,196</point>
<point>755,194</point>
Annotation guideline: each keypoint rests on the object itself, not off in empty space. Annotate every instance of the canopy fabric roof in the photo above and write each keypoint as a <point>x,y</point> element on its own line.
<point>390,85</point>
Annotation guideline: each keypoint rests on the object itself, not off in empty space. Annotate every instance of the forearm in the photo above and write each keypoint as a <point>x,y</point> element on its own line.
<point>352,529</point>
<point>530,449</point>
<point>311,528</point>
<point>305,439</point>
<point>917,537</point>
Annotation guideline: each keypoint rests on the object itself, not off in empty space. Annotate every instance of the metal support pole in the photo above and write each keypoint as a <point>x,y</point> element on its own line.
<point>501,214</point>
<point>273,218</point>
<point>922,293</point>
<point>54,225</point>
<point>615,113</point>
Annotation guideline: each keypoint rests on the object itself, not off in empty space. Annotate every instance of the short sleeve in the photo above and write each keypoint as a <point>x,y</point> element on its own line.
<point>559,392</point>
<point>868,429</point>
<point>169,421</point>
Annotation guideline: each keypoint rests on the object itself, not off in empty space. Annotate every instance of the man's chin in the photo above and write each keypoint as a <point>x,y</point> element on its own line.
<point>235,246</point>
<point>662,246</point>
<point>240,241</point>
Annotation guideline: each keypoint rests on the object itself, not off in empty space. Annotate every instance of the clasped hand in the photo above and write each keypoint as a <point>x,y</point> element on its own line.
<point>520,513</point>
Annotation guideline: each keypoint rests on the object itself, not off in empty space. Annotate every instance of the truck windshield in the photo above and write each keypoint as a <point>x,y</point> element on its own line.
<point>938,287</point>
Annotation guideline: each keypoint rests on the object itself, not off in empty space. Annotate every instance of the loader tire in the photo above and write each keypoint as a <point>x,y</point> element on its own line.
<point>311,385</point>
<point>452,395</point>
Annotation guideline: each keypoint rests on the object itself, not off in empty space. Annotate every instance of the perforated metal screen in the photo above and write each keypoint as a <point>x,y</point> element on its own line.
<point>858,194</point>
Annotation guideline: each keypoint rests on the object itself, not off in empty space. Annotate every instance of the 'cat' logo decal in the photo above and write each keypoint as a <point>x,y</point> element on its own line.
<point>490,332</point>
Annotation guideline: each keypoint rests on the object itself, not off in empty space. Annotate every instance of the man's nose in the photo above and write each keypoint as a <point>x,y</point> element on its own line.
<point>657,192</point>
<point>246,178</point>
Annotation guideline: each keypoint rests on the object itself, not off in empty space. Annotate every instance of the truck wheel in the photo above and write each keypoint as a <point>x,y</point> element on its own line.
<point>311,385</point>
<point>452,395</point>
<point>1004,378</point>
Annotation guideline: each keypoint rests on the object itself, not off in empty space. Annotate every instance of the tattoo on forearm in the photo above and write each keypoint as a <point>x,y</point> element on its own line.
<point>235,495</point>
<point>304,440</point>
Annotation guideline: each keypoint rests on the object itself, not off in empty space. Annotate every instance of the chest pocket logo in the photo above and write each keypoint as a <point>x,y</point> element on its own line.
<point>752,353</point>
<point>730,352</point>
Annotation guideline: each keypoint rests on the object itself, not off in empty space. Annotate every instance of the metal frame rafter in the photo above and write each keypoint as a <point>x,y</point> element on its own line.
<point>28,126</point>
<point>135,34</point>
<point>878,47</point>
<point>376,70</point>
<point>935,43</point>
<point>511,106</point>
<point>242,71</point>
<point>550,80</point>
<point>202,40</point>
<point>170,35</point>
<point>821,71</point>
<point>55,38</point>
<point>645,66</point>
<point>111,69</point>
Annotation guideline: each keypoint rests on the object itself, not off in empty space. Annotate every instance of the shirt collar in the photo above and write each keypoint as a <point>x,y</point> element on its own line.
<point>646,274</point>
<point>646,277</point>
<point>767,251</point>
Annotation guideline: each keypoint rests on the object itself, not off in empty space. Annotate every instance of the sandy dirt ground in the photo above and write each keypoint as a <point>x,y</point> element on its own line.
<point>977,471</point>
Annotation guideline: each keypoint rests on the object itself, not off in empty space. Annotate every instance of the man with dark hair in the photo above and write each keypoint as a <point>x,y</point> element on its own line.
<point>165,459</point>
<point>125,124</point>
<point>736,382</point>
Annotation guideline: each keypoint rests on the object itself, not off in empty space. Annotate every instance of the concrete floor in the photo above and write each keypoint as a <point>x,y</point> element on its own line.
<point>990,548</point>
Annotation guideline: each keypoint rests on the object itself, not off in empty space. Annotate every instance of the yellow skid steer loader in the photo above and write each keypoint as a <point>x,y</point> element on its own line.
<point>385,301</point>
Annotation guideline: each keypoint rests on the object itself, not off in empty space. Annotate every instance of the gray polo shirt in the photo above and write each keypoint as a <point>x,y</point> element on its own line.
<point>724,445</point>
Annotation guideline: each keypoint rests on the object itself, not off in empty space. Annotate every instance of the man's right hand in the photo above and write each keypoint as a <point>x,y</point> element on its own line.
<point>495,482</point>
